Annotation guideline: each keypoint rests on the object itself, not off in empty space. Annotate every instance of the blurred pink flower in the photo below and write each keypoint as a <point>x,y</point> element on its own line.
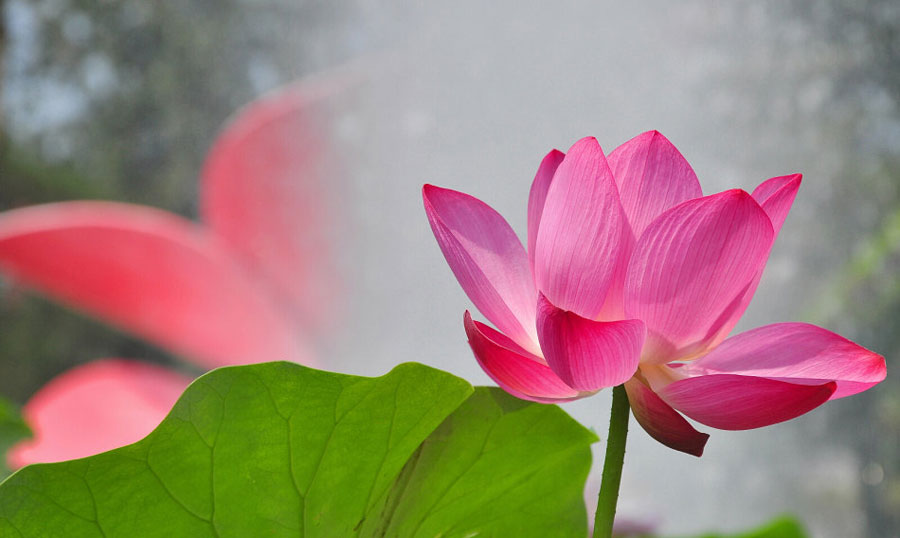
<point>241,287</point>
<point>634,528</point>
<point>96,407</point>
<point>632,276</point>
<point>249,284</point>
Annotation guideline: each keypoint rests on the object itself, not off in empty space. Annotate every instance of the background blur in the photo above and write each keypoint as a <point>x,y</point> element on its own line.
<point>120,99</point>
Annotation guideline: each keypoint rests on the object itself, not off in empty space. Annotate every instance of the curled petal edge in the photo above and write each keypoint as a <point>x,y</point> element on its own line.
<point>662,422</point>
<point>515,370</point>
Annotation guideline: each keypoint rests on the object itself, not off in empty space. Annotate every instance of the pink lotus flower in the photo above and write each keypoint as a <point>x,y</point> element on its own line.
<point>632,276</point>
<point>242,287</point>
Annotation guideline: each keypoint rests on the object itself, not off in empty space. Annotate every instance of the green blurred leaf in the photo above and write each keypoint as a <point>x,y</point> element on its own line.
<point>781,527</point>
<point>25,180</point>
<point>12,430</point>
<point>283,450</point>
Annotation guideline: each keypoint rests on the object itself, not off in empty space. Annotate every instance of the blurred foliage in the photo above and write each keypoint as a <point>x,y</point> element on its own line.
<point>121,100</point>
<point>780,527</point>
<point>825,75</point>
<point>41,339</point>
<point>783,527</point>
<point>26,180</point>
<point>144,86</point>
<point>12,429</point>
<point>862,297</point>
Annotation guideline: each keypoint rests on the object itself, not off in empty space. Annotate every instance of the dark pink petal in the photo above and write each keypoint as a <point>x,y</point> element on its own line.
<point>588,355</point>
<point>652,177</point>
<point>796,352</point>
<point>516,371</point>
<point>736,402</point>
<point>149,272</point>
<point>581,232</point>
<point>94,408</point>
<point>265,192</point>
<point>662,422</point>
<point>691,270</point>
<point>776,195</point>
<point>487,259</point>
<point>538,195</point>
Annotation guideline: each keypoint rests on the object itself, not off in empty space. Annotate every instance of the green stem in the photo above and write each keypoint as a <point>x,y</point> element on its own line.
<point>612,465</point>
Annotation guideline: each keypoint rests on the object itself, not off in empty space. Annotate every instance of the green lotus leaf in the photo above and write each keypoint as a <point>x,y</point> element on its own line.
<point>279,449</point>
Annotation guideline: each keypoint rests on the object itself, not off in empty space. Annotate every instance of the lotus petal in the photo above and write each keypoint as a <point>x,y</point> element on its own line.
<point>265,193</point>
<point>691,270</point>
<point>153,273</point>
<point>589,355</point>
<point>96,407</point>
<point>516,371</point>
<point>662,422</point>
<point>735,402</point>
<point>798,353</point>
<point>581,232</point>
<point>488,260</point>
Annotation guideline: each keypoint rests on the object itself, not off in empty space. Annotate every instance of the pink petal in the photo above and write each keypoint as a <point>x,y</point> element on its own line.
<point>652,177</point>
<point>776,195</point>
<point>265,191</point>
<point>516,371</point>
<point>798,353</point>
<point>614,304</point>
<point>691,270</point>
<point>148,272</point>
<point>94,408</point>
<point>662,422</point>
<point>538,196</point>
<point>487,259</point>
<point>581,232</point>
<point>735,402</point>
<point>588,355</point>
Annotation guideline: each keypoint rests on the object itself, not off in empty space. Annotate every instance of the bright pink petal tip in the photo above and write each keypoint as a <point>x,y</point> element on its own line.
<point>150,272</point>
<point>588,355</point>
<point>735,402</point>
<point>691,271</point>
<point>94,408</point>
<point>652,177</point>
<point>662,422</point>
<point>798,353</point>
<point>265,193</point>
<point>517,372</point>
<point>776,195</point>
<point>487,259</point>
<point>582,228</point>
<point>538,196</point>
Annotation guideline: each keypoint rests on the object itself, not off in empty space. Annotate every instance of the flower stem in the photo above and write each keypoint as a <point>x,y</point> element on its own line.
<point>612,465</point>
